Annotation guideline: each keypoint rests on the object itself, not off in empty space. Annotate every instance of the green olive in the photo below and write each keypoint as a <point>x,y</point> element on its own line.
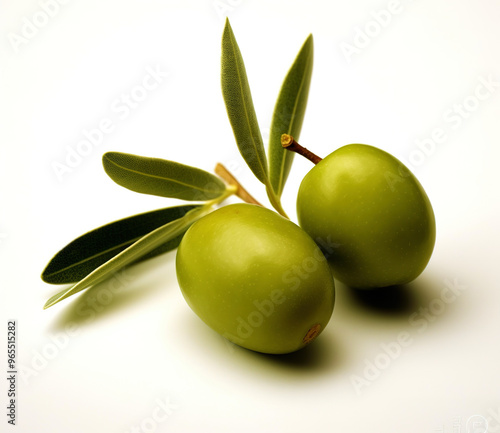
<point>256,278</point>
<point>370,215</point>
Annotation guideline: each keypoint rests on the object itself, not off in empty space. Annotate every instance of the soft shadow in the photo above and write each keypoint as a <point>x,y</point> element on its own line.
<point>321,356</point>
<point>318,356</point>
<point>394,300</point>
<point>125,288</point>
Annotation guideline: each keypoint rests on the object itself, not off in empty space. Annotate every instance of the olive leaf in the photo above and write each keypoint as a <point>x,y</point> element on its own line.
<point>89,251</point>
<point>161,177</point>
<point>143,246</point>
<point>289,114</point>
<point>239,106</point>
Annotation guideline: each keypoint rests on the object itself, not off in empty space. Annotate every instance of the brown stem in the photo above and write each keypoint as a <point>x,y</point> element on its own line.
<point>288,142</point>
<point>241,192</point>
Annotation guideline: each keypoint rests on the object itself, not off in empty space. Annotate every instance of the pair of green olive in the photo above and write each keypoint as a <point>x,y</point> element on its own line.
<point>265,284</point>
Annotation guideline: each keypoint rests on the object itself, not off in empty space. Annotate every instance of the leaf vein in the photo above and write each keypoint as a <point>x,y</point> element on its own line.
<point>245,106</point>
<point>292,120</point>
<point>157,176</point>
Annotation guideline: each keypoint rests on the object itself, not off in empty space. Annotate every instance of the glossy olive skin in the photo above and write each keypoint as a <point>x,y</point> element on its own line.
<point>256,278</point>
<point>371,216</point>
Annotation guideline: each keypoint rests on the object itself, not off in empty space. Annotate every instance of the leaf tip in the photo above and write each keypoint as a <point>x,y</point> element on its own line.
<point>227,26</point>
<point>105,160</point>
<point>309,42</point>
<point>108,155</point>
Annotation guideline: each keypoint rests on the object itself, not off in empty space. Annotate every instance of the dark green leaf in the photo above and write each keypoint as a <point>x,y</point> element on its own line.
<point>86,253</point>
<point>239,105</point>
<point>143,246</point>
<point>161,177</point>
<point>289,114</point>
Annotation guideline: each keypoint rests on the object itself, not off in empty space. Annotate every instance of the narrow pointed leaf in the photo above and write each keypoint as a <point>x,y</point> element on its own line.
<point>161,177</point>
<point>289,114</point>
<point>138,249</point>
<point>239,106</point>
<point>89,251</point>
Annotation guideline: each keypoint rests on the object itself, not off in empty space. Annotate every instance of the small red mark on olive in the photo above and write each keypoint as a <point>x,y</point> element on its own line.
<point>312,333</point>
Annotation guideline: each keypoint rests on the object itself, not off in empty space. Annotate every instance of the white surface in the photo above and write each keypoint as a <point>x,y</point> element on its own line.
<point>146,345</point>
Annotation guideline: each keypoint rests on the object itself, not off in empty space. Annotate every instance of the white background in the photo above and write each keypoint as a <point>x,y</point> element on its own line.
<point>401,85</point>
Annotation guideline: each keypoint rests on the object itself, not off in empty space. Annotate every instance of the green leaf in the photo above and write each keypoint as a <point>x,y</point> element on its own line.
<point>129,255</point>
<point>86,253</point>
<point>239,106</point>
<point>289,114</point>
<point>161,177</point>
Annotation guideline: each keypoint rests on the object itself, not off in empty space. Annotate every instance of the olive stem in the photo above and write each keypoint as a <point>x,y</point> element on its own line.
<point>230,190</point>
<point>241,192</point>
<point>275,201</point>
<point>289,143</point>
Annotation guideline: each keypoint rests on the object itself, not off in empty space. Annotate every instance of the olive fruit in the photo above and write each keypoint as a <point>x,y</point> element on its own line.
<point>256,278</point>
<point>371,216</point>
